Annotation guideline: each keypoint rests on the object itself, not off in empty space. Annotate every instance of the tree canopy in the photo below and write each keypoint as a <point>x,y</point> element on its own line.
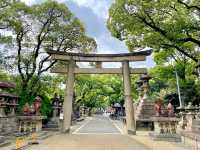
<point>34,29</point>
<point>98,91</point>
<point>171,27</point>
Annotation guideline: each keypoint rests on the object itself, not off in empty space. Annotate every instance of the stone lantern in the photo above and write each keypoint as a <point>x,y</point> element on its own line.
<point>139,89</point>
<point>145,78</point>
<point>55,104</point>
<point>145,109</point>
<point>14,104</point>
<point>2,107</point>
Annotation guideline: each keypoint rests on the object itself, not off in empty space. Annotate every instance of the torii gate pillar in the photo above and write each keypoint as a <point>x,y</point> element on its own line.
<point>67,106</point>
<point>130,118</point>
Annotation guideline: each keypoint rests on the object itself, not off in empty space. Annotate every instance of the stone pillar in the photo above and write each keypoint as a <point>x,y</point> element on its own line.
<point>98,64</point>
<point>130,117</point>
<point>2,111</point>
<point>55,112</point>
<point>67,106</point>
<point>12,111</point>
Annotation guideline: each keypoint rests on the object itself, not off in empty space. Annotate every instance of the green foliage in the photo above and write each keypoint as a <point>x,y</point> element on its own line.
<point>164,83</point>
<point>47,87</point>
<point>33,30</point>
<point>170,27</point>
<point>98,91</point>
<point>4,76</point>
<point>46,108</point>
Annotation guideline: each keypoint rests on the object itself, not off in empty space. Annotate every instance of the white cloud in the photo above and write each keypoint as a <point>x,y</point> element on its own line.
<point>61,1</point>
<point>30,2</point>
<point>99,7</point>
<point>106,43</point>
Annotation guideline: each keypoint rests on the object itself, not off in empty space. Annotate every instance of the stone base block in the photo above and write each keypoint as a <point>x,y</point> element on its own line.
<point>66,131</point>
<point>8,125</point>
<point>144,125</point>
<point>3,141</point>
<point>51,126</point>
<point>131,132</point>
<point>191,143</point>
<point>191,140</point>
<point>165,137</point>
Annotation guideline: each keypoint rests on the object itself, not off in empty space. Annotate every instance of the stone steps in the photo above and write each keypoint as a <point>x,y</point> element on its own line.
<point>196,122</point>
<point>51,126</point>
<point>51,129</point>
<point>147,111</point>
<point>3,141</point>
<point>195,126</point>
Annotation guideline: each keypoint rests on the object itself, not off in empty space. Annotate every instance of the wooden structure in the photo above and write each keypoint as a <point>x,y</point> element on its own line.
<point>124,58</point>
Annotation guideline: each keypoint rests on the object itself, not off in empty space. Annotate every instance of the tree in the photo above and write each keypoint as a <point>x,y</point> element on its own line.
<point>88,91</point>
<point>46,87</point>
<point>41,27</point>
<point>163,84</point>
<point>100,91</point>
<point>5,12</point>
<point>4,76</point>
<point>171,27</point>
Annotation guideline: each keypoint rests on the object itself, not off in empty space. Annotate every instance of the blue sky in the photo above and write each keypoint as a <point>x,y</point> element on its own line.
<point>93,13</point>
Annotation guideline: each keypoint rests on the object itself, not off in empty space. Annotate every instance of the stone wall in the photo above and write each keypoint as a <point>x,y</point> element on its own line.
<point>8,125</point>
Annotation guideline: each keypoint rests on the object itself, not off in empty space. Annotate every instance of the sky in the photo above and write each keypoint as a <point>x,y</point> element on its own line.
<point>93,14</point>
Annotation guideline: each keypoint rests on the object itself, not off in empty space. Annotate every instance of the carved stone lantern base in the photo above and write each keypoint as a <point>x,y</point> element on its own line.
<point>30,123</point>
<point>165,129</point>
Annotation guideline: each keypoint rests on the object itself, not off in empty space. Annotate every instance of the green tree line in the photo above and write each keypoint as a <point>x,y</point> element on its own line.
<point>172,29</point>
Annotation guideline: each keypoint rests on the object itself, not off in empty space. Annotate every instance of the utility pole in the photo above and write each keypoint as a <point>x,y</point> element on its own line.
<point>178,89</point>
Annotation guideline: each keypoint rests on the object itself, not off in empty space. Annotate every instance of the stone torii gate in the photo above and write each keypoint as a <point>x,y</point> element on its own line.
<point>71,70</point>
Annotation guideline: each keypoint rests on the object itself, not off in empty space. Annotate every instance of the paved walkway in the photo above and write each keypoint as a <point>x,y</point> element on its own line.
<point>98,124</point>
<point>89,142</point>
<point>98,133</point>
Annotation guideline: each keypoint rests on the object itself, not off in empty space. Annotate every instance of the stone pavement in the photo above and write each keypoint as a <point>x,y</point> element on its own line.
<point>100,133</point>
<point>90,142</point>
<point>98,124</point>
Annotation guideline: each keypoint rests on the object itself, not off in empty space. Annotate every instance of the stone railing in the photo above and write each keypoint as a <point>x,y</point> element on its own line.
<point>188,116</point>
<point>189,126</point>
